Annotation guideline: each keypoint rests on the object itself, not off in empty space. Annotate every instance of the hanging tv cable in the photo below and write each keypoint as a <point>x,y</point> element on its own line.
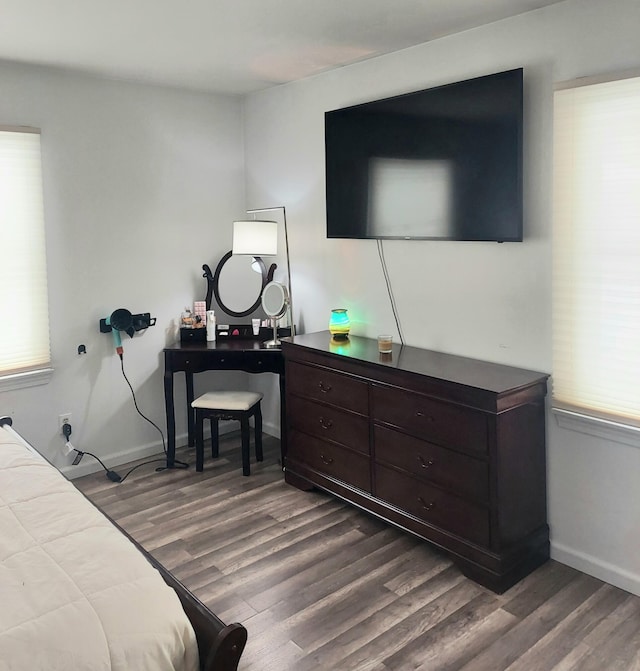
<point>387,280</point>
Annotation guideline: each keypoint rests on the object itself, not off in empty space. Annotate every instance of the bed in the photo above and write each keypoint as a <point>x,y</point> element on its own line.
<point>77,592</point>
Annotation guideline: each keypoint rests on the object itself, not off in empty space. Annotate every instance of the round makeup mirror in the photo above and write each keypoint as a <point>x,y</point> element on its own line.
<point>275,303</point>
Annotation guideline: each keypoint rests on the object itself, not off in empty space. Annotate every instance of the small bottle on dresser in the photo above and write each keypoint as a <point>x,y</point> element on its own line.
<point>211,326</point>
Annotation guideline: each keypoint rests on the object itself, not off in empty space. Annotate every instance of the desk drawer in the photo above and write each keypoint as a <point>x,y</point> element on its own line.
<point>435,421</point>
<point>327,386</point>
<point>433,505</point>
<point>329,459</point>
<point>269,361</point>
<point>193,335</point>
<point>328,423</point>
<point>199,361</point>
<point>459,473</point>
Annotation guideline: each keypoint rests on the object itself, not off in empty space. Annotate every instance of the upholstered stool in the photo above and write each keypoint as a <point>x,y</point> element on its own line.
<point>237,405</point>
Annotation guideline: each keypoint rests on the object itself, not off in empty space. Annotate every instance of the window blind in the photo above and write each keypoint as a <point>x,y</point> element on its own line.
<point>24,325</point>
<point>596,250</point>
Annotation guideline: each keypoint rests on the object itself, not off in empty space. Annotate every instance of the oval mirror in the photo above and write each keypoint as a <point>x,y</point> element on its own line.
<point>236,284</point>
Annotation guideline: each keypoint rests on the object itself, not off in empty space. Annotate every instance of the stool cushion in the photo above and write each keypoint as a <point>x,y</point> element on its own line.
<point>227,400</point>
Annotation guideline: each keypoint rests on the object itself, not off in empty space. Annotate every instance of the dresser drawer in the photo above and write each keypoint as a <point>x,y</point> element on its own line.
<point>328,386</point>
<point>329,423</point>
<point>467,476</point>
<point>433,505</point>
<point>330,459</point>
<point>438,422</point>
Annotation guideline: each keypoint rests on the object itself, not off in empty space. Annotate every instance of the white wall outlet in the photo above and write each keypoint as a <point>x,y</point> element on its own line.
<point>64,418</point>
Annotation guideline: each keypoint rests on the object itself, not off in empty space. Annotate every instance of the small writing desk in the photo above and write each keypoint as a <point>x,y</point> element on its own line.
<point>246,354</point>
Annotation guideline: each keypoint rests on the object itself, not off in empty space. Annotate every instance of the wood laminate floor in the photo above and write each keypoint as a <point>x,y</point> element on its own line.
<point>320,585</point>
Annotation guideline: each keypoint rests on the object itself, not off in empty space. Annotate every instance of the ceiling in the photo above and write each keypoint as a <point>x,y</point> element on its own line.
<point>230,46</point>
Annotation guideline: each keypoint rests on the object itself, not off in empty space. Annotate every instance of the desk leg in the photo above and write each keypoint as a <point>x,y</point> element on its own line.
<point>171,418</point>
<point>191,421</point>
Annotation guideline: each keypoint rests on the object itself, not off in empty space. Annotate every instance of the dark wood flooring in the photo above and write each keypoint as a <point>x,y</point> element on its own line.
<point>321,585</point>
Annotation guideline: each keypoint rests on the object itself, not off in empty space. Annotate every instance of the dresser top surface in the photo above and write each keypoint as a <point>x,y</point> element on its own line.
<point>493,377</point>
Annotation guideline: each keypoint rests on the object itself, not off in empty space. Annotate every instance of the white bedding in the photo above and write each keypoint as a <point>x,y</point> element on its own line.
<point>75,593</point>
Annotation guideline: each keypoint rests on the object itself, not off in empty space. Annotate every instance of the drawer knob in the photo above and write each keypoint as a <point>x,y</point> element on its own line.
<point>326,423</point>
<point>426,506</point>
<point>326,460</point>
<point>419,413</point>
<point>425,463</point>
<point>324,388</point>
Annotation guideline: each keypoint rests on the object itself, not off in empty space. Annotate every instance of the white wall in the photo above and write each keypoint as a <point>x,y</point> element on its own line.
<point>140,186</point>
<point>482,300</point>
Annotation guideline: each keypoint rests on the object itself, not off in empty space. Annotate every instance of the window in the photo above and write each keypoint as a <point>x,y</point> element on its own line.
<point>596,250</point>
<point>24,330</point>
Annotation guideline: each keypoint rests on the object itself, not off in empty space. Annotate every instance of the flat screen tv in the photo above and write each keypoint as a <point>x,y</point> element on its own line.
<point>440,164</point>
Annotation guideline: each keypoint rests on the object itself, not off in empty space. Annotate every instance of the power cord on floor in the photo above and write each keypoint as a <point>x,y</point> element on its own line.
<point>66,432</point>
<point>111,474</point>
<point>177,464</point>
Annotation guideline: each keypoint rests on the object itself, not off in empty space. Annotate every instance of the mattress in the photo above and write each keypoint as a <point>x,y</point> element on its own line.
<point>75,593</point>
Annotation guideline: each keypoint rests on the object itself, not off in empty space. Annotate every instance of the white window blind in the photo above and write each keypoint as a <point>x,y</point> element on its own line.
<point>596,250</point>
<point>24,313</point>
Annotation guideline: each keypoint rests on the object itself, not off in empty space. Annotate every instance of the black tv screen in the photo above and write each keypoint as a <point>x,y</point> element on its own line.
<point>444,163</point>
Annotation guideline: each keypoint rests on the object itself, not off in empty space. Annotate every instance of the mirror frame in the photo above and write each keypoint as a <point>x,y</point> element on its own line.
<point>213,288</point>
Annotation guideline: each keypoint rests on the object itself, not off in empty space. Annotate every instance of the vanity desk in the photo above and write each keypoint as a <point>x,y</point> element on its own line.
<point>448,448</point>
<point>233,353</point>
<point>242,293</point>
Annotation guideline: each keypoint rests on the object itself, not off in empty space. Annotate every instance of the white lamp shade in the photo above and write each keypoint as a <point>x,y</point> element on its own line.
<point>256,238</point>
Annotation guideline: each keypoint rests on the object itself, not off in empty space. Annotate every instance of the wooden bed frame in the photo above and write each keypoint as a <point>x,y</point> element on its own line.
<point>220,645</point>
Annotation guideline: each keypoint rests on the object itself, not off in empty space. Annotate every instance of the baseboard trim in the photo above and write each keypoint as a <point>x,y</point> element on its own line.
<point>89,465</point>
<point>614,575</point>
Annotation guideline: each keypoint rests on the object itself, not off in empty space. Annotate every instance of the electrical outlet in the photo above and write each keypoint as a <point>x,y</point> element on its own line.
<point>63,419</point>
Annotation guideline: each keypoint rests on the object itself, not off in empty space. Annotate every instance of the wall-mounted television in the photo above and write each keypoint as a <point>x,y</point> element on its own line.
<point>440,164</point>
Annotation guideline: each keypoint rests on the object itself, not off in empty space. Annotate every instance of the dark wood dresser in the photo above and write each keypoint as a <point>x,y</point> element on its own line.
<point>448,448</point>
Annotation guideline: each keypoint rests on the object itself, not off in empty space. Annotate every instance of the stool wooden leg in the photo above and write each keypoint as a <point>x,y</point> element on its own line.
<point>258,432</point>
<point>199,441</point>
<point>215,441</point>
<point>244,430</point>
